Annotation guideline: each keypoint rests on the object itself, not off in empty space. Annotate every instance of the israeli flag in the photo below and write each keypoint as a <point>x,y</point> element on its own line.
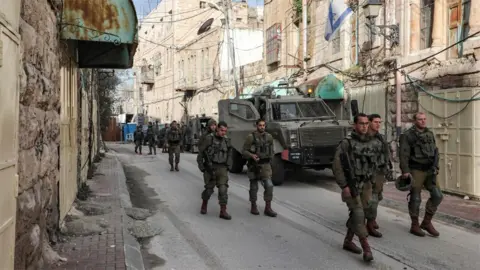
<point>338,12</point>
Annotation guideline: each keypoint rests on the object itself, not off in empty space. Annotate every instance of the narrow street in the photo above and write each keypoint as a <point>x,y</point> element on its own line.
<point>307,234</point>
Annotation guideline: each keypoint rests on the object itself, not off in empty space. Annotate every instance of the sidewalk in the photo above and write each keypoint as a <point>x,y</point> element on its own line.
<point>111,247</point>
<point>453,209</point>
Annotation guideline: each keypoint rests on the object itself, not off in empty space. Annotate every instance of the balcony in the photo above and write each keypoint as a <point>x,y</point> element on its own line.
<point>147,75</point>
<point>185,85</point>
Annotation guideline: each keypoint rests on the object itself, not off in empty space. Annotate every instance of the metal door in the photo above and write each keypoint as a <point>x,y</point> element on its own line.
<point>9,99</point>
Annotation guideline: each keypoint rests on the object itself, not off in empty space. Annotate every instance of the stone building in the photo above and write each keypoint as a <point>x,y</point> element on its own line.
<point>180,63</point>
<point>48,61</point>
<point>423,43</point>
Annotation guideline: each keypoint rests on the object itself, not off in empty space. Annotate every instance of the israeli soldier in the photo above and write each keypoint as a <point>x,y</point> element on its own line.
<point>138,139</point>
<point>211,128</point>
<point>173,139</point>
<point>162,140</point>
<point>258,150</point>
<point>215,153</point>
<point>419,162</point>
<point>354,167</point>
<point>150,138</point>
<point>384,171</point>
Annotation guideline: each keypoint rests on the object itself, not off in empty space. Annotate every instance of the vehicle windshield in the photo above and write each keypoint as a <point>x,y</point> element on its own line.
<point>301,110</point>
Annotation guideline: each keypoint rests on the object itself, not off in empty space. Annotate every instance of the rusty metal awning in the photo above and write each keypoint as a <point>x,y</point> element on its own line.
<point>104,31</point>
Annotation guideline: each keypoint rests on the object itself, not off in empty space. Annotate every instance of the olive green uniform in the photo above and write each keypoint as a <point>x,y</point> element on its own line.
<point>202,144</point>
<point>419,157</point>
<point>260,144</point>
<point>354,166</point>
<point>384,165</point>
<point>174,140</point>
<point>216,155</point>
<point>151,140</point>
<point>363,154</point>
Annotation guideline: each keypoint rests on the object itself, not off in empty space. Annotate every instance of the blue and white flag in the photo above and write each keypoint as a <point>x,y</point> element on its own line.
<point>338,13</point>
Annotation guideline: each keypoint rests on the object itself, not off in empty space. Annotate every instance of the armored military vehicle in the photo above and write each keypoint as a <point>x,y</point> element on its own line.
<point>306,131</point>
<point>196,127</point>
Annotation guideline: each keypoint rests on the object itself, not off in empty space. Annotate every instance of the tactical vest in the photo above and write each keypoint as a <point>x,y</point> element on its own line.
<point>174,136</point>
<point>379,145</point>
<point>217,150</point>
<point>262,146</point>
<point>423,144</point>
<point>365,157</point>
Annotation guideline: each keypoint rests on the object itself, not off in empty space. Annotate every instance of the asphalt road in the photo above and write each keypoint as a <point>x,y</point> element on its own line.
<point>307,234</point>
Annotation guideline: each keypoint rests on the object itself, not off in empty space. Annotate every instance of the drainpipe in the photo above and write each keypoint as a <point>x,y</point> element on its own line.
<point>398,87</point>
<point>304,23</point>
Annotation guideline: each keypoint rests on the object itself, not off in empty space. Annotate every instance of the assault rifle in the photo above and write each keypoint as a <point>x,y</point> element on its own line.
<point>348,170</point>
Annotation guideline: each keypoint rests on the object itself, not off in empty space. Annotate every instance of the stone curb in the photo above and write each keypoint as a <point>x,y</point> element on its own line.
<point>133,254</point>
<point>444,217</point>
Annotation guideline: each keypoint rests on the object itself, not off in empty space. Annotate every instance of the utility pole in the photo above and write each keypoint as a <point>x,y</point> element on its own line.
<point>304,22</point>
<point>230,43</point>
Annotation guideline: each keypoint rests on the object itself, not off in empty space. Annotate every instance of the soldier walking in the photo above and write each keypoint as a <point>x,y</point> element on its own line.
<point>354,167</point>
<point>138,139</point>
<point>215,156</point>
<point>384,171</point>
<point>151,140</point>
<point>174,141</point>
<point>210,129</point>
<point>258,150</point>
<point>419,162</point>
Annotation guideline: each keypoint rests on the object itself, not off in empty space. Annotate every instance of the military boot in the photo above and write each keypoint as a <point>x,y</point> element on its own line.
<point>415,228</point>
<point>176,167</point>
<point>371,229</point>
<point>428,226</point>
<point>268,210</point>
<point>171,167</point>
<point>349,245</point>
<point>223,213</point>
<point>203,209</point>
<point>254,209</point>
<point>367,252</point>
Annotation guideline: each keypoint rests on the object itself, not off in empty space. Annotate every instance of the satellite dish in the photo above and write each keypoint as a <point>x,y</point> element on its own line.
<point>205,26</point>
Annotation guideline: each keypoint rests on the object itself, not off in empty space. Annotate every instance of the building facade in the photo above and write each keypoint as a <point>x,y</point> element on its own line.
<point>420,56</point>
<point>175,78</point>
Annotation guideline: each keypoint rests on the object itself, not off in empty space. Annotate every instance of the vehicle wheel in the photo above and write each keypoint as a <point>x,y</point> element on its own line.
<point>237,162</point>
<point>278,170</point>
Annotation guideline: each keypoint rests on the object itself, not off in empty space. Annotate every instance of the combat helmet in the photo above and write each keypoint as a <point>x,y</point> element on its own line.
<point>211,122</point>
<point>404,183</point>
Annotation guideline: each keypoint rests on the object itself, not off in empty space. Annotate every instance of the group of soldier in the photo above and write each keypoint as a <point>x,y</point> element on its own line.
<point>170,138</point>
<point>214,157</point>
<point>361,166</point>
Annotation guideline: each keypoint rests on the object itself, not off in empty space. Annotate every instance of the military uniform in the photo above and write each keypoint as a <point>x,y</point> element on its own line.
<point>384,167</point>
<point>138,140</point>
<point>150,138</point>
<point>419,157</point>
<point>354,167</point>
<point>201,147</point>
<point>174,140</point>
<point>261,145</point>
<point>215,156</point>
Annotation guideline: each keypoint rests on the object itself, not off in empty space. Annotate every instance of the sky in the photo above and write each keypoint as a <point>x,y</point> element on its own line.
<point>146,5</point>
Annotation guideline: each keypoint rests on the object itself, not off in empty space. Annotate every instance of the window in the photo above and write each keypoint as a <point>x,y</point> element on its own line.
<point>239,19</point>
<point>353,49</point>
<point>202,66</point>
<point>458,26</point>
<point>300,110</point>
<point>203,4</point>
<point>207,63</point>
<point>426,25</point>
<point>336,43</point>
<point>243,111</point>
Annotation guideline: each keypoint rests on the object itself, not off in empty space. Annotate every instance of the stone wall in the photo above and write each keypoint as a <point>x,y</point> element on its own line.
<point>39,144</point>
